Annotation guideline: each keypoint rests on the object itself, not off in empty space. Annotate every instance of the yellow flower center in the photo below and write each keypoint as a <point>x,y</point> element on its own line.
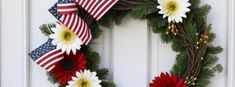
<point>67,36</point>
<point>84,83</point>
<point>172,7</point>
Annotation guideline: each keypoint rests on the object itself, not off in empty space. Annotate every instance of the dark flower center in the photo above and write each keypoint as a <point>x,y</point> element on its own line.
<point>68,64</point>
<point>84,84</point>
<point>67,36</point>
<point>168,85</point>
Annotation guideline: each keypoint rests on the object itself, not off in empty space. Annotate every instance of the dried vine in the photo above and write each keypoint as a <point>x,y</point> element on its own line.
<point>197,47</point>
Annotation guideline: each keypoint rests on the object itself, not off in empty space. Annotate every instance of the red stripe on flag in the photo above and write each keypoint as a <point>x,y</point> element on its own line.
<point>68,12</point>
<point>84,34</point>
<point>81,30</point>
<point>53,62</point>
<point>66,7</point>
<point>89,37</point>
<point>86,37</point>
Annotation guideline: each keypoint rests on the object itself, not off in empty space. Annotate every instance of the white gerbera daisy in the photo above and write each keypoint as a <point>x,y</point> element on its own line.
<point>65,39</point>
<point>174,9</point>
<point>85,79</point>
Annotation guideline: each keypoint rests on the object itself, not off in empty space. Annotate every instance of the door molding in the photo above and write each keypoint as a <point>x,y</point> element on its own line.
<point>231,44</point>
<point>25,27</point>
<point>0,41</point>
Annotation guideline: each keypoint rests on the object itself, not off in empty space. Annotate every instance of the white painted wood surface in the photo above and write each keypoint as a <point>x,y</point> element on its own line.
<point>130,60</point>
<point>131,51</point>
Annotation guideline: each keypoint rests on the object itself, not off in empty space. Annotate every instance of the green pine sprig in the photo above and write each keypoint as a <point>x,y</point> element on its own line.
<point>46,29</point>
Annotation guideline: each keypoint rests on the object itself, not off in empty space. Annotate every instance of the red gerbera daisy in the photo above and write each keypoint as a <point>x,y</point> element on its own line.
<point>68,66</point>
<point>166,80</point>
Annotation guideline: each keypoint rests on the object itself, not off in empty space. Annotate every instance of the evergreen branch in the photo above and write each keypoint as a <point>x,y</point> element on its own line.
<point>52,79</point>
<point>102,73</point>
<point>107,84</point>
<point>141,11</point>
<point>46,29</point>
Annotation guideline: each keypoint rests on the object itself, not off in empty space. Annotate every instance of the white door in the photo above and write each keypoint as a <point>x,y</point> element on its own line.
<point>132,53</point>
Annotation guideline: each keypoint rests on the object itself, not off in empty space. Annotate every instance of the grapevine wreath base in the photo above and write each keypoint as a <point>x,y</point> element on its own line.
<point>71,62</point>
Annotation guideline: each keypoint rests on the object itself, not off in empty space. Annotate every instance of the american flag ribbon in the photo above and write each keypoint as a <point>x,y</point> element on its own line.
<point>65,12</point>
<point>97,8</point>
<point>47,55</point>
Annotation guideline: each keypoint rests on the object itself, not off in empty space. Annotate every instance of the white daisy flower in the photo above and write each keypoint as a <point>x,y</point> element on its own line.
<point>174,9</point>
<point>85,79</point>
<point>65,39</point>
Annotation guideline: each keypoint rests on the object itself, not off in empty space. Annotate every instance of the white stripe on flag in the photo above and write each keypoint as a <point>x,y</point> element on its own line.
<point>66,4</point>
<point>53,62</point>
<point>67,10</point>
<point>50,68</point>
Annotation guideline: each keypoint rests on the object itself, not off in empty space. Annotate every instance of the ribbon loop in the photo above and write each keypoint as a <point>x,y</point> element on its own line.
<point>67,8</point>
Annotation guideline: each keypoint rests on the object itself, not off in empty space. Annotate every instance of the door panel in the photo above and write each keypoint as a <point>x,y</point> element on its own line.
<point>130,63</point>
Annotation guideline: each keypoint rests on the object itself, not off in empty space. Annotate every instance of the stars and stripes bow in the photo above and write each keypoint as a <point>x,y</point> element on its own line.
<point>65,11</point>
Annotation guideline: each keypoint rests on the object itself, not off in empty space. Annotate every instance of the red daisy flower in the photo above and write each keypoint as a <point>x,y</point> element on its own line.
<point>68,66</point>
<point>166,80</point>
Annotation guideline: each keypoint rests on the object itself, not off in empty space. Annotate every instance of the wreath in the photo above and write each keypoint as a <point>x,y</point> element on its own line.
<point>70,61</point>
